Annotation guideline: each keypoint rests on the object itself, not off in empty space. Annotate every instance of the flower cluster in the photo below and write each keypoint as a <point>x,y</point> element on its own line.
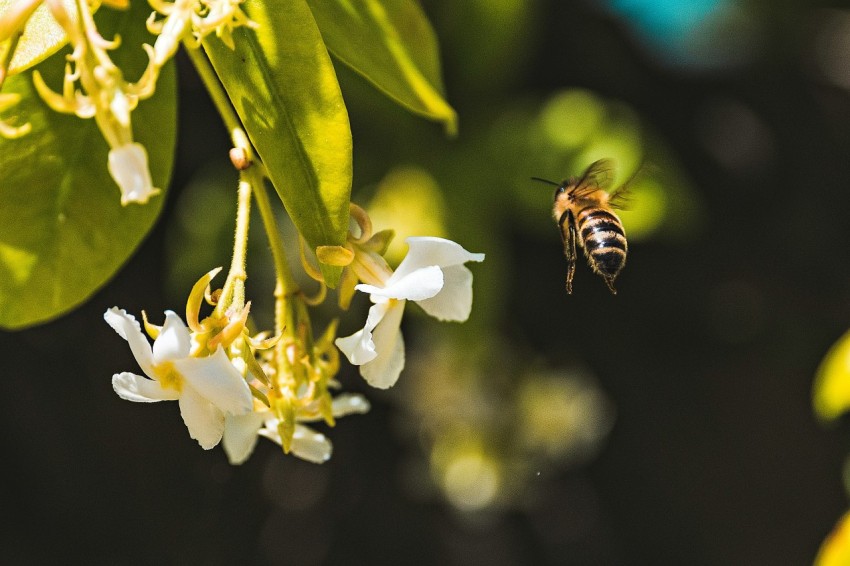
<point>192,21</point>
<point>104,95</point>
<point>234,388</point>
<point>300,373</point>
<point>95,87</point>
<point>231,385</point>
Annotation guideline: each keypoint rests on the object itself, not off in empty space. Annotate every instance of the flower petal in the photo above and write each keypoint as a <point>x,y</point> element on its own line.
<point>417,285</point>
<point>310,445</point>
<point>307,444</point>
<point>217,380</point>
<point>350,404</point>
<point>240,435</point>
<point>174,341</point>
<point>359,347</point>
<point>203,419</point>
<point>128,328</point>
<point>454,301</point>
<point>425,251</point>
<point>269,430</point>
<point>383,371</point>
<point>128,166</point>
<point>140,389</point>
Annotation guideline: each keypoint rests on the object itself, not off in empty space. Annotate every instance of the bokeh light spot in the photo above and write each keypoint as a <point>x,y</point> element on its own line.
<point>646,210</point>
<point>571,117</point>
<point>471,481</point>
<point>398,202</point>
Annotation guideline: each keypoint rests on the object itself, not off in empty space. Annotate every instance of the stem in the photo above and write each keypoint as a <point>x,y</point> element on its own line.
<point>216,90</point>
<point>286,310</point>
<point>286,284</point>
<point>234,287</point>
<point>233,293</point>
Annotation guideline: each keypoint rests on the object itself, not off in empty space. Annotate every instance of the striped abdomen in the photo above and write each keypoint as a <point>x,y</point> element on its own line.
<point>604,240</point>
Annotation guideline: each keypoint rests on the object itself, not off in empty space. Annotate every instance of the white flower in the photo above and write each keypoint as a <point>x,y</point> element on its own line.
<point>433,275</point>
<point>206,388</point>
<point>128,165</point>
<point>241,432</point>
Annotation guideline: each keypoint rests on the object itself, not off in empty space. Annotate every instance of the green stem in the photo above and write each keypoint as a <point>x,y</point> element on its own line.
<point>286,282</point>
<point>216,90</point>
<point>286,308</point>
<point>286,287</point>
<point>233,293</point>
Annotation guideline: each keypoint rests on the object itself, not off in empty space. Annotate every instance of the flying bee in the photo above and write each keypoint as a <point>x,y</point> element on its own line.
<point>584,211</point>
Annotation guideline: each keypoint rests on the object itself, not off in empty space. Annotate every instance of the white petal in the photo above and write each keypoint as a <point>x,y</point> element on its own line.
<point>454,301</point>
<point>350,404</point>
<point>217,380</point>
<point>128,166</point>
<point>310,445</point>
<point>383,371</point>
<point>425,251</point>
<point>240,435</point>
<point>128,328</point>
<point>140,389</point>
<point>359,347</point>
<point>174,341</point>
<point>417,285</point>
<point>307,444</point>
<point>269,430</point>
<point>203,419</point>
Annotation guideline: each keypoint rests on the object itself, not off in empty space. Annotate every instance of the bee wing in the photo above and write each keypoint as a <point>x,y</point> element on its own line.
<point>598,175</point>
<point>621,197</point>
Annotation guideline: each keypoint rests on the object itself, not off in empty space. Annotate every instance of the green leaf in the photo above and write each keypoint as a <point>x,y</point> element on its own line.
<point>42,36</point>
<point>282,84</point>
<point>390,43</point>
<point>832,381</point>
<point>63,231</point>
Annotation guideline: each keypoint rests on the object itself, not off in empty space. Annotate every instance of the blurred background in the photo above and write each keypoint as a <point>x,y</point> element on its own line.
<point>670,424</point>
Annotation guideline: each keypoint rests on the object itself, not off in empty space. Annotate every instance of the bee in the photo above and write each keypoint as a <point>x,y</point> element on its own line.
<point>584,211</point>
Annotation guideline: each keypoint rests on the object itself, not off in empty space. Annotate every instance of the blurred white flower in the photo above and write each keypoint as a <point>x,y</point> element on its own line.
<point>94,87</point>
<point>433,275</point>
<point>241,431</point>
<point>206,388</point>
<point>128,166</point>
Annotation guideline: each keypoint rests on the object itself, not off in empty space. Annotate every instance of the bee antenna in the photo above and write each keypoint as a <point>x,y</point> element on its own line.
<point>553,183</point>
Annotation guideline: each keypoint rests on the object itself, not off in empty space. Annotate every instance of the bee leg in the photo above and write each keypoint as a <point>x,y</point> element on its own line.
<point>569,238</point>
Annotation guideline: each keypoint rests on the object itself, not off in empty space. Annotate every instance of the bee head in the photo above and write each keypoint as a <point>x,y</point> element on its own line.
<point>562,188</point>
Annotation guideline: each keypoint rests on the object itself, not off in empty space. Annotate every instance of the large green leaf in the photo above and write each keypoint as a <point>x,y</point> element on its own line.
<point>63,231</point>
<point>391,43</point>
<point>42,36</point>
<point>284,88</point>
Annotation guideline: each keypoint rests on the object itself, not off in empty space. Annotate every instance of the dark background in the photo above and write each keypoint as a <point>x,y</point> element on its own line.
<point>707,354</point>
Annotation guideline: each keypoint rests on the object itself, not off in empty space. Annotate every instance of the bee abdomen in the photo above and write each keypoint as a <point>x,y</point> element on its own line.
<point>604,240</point>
